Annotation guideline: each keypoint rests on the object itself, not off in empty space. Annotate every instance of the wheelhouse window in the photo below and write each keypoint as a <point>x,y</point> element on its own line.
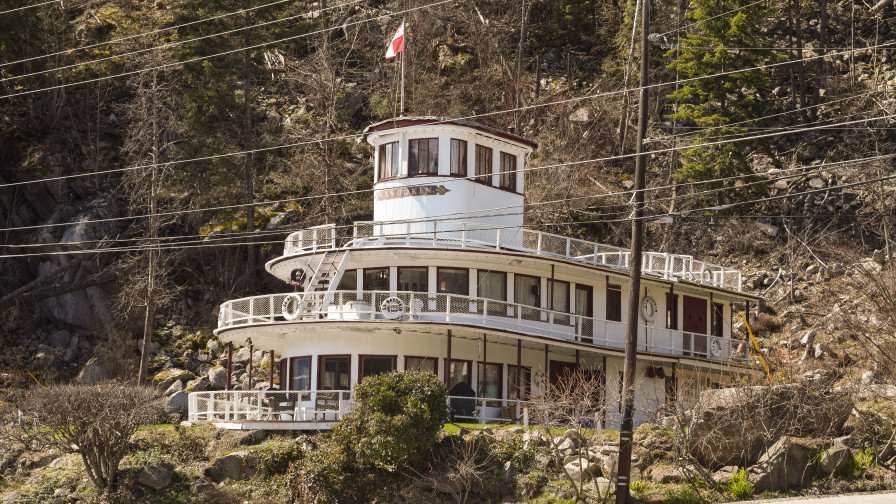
<point>490,380</point>
<point>372,365</point>
<point>614,303</point>
<point>458,157</point>
<point>429,364</point>
<point>492,285</point>
<point>716,322</point>
<point>376,279</point>
<point>414,279</point>
<point>300,373</point>
<point>334,372</point>
<point>527,291</point>
<point>423,156</point>
<point>483,164</point>
<point>519,387</point>
<point>584,307</point>
<point>389,161</point>
<point>559,295</point>
<point>459,374</point>
<point>453,281</point>
<point>508,171</point>
<point>349,281</point>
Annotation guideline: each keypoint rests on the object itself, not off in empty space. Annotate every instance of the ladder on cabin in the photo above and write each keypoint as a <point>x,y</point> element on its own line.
<point>325,278</point>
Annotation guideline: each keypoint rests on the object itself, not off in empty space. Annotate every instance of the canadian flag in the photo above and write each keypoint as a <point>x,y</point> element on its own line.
<point>396,45</point>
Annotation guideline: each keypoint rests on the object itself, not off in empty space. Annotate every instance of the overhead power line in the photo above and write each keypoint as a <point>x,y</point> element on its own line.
<point>180,42</point>
<point>25,7</point>
<point>723,14</point>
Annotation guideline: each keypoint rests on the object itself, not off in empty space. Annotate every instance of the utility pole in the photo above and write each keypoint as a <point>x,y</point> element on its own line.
<point>149,315</point>
<point>624,468</point>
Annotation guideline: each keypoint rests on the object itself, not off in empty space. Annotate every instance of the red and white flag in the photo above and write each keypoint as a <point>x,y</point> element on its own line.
<point>396,45</point>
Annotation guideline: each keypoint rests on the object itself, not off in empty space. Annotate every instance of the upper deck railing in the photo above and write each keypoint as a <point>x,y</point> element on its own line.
<point>471,311</point>
<point>454,234</point>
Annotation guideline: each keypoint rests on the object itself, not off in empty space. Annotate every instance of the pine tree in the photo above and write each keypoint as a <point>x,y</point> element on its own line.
<point>712,46</point>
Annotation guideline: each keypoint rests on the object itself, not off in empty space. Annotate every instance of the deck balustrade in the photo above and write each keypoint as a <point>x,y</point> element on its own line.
<point>453,234</point>
<point>424,307</point>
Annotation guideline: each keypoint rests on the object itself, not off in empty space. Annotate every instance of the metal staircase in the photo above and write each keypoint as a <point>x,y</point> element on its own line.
<point>325,278</point>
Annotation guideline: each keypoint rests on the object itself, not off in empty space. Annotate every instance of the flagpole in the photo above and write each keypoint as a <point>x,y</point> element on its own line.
<point>401,107</point>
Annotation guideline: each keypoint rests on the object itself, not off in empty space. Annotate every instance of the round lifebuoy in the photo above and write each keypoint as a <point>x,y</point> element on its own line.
<point>297,276</point>
<point>648,309</point>
<point>392,308</point>
<point>290,306</point>
<point>715,348</point>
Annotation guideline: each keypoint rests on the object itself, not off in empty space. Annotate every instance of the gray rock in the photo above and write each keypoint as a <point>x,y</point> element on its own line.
<point>575,436</point>
<point>725,474</point>
<point>163,379</point>
<point>177,403</point>
<point>836,460</point>
<point>808,338</point>
<point>241,355</point>
<point>200,384</point>
<point>868,378</point>
<point>217,377</point>
<point>580,469</point>
<point>788,464</point>
<point>603,485</point>
<point>176,386</point>
<point>92,373</point>
<point>248,438</point>
<point>564,445</point>
<point>156,476</point>
<point>817,182</point>
<point>235,466</point>
<point>666,474</point>
<point>818,351</point>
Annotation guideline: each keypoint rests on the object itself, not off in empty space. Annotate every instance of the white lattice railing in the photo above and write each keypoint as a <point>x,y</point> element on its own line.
<point>482,312</point>
<point>453,234</point>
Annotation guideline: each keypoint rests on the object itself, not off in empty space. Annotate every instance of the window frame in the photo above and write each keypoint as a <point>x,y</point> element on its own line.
<point>398,271</point>
<point>291,367</point>
<point>469,363</point>
<point>366,287</point>
<point>485,177</point>
<point>434,360</point>
<point>396,161</point>
<point>616,288</point>
<point>414,169</point>
<point>717,319</point>
<point>490,272</point>
<point>363,357</point>
<point>342,279</point>
<point>507,179</point>
<point>527,388</point>
<point>465,168</point>
<point>480,373</point>
<point>440,269</point>
<point>320,369</point>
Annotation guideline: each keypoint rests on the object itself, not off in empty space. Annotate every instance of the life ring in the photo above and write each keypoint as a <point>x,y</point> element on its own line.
<point>648,309</point>
<point>290,306</point>
<point>715,348</point>
<point>392,308</point>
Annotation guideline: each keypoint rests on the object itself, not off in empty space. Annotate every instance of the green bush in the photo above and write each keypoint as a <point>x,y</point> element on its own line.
<point>396,419</point>
<point>682,495</point>
<point>862,461</point>
<point>739,486</point>
<point>639,487</point>
<point>275,457</point>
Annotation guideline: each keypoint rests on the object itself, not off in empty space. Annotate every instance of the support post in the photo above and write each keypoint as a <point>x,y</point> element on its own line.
<point>229,365</point>
<point>624,468</point>
<point>547,371</point>
<point>250,363</point>
<point>448,364</point>
<point>519,369</point>
<point>271,381</point>
<point>484,361</point>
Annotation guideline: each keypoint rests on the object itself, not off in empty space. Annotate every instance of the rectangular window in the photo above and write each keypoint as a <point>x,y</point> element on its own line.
<point>459,373</point>
<point>349,281</point>
<point>372,365</point>
<point>671,311</point>
<point>490,381</point>
<point>614,302</point>
<point>334,372</point>
<point>584,307</point>
<point>281,374</point>
<point>413,279</point>
<point>300,373</point>
<point>559,295</point>
<point>376,279</point>
<point>389,161</point>
<point>483,165</point>
<point>423,156</point>
<point>492,285</point>
<point>716,327</point>
<point>429,364</point>
<point>458,157</point>
<point>527,291</point>
<point>508,171</point>
<point>522,389</point>
<point>453,281</point>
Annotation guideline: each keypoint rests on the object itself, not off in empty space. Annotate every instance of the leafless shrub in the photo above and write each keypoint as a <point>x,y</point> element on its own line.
<point>876,287</point>
<point>94,421</point>
<point>574,403</point>
<point>459,470</point>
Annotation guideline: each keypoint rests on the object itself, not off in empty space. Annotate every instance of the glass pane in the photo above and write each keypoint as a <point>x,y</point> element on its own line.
<point>376,279</point>
<point>458,157</point>
<point>300,373</point>
<point>349,280</point>
<point>492,285</point>
<point>430,364</point>
<point>453,281</point>
<point>583,300</point>
<point>483,164</point>
<point>375,365</point>
<point>335,373</point>
<point>413,279</point>
<point>459,378</point>
<point>614,303</point>
<point>525,383</point>
<point>527,290</point>
<point>560,295</point>
<point>490,381</point>
<point>508,171</point>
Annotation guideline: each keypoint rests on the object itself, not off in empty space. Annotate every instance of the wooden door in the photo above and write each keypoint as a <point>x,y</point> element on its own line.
<point>694,322</point>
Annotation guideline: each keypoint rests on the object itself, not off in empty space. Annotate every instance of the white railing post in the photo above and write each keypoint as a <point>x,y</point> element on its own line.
<point>538,243</point>
<point>484,310</point>
<point>526,417</point>
<point>594,256</point>
<point>498,239</point>
<point>568,247</point>
<point>448,308</point>
<point>463,235</point>
<point>251,309</point>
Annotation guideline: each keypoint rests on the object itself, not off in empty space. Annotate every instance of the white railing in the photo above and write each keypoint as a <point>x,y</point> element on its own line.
<point>269,406</point>
<point>455,234</point>
<point>475,311</point>
<point>488,410</point>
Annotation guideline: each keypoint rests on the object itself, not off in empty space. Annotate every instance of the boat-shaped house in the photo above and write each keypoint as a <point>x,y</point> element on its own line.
<point>447,279</point>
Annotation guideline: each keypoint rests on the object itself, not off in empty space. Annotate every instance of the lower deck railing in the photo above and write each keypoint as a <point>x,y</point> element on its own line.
<point>480,312</point>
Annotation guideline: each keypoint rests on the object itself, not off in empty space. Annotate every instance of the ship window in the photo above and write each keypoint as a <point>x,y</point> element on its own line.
<point>458,372</point>
<point>524,385</point>
<point>453,281</point>
<point>527,291</point>
<point>334,372</point>
<point>372,365</point>
<point>300,373</point>
<point>423,158</point>
<point>349,281</point>
<point>458,157</point>
<point>389,161</point>
<point>718,316</point>
<point>483,165</point>
<point>490,383</point>
<point>614,302</point>
<point>492,285</point>
<point>508,171</point>
<point>413,279</point>
<point>671,311</point>
<point>376,279</point>
<point>584,300</point>
<point>559,295</point>
<point>430,364</point>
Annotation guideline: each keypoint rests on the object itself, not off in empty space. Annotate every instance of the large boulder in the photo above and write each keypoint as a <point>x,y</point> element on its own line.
<point>836,460</point>
<point>156,476</point>
<point>788,464</point>
<point>581,469</point>
<point>238,465</point>
<point>217,377</point>
<point>177,403</point>
<point>200,384</point>
<point>732,426</point>
<point>164,378</point>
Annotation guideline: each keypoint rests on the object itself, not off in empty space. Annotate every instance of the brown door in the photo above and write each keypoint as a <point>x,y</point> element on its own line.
<point>694,322</point>
<point>560,369</point>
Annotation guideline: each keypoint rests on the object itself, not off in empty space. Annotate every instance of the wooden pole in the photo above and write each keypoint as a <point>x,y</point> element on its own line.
<point>624,468</point>
<point>519,369</point>
<point>448,363</point>
<point>229,365</point>
<point>271,381</point>
<point>250,364</point>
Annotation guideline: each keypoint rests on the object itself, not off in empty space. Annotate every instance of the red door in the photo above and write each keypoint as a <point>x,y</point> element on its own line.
<point>695,323</point>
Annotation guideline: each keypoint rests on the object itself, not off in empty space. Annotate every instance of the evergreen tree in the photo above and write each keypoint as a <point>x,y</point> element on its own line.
<point>710,47</point>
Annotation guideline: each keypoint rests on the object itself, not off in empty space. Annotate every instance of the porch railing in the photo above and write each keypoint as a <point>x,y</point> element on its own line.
<point>475,311</point>
<point>455,234</point>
